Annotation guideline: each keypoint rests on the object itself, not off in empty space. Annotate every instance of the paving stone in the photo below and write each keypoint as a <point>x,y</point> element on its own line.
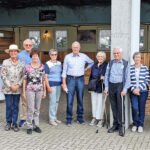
<point>76,137</point>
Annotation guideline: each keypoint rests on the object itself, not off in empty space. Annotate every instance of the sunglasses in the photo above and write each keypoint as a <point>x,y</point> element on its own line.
<point>53,54</point>
<point>28,45</point>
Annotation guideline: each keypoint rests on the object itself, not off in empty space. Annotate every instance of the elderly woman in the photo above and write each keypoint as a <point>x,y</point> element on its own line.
<point>12,76</point>
<point>33,91</point>
<point>139,75</point>
<point>97,72</point>
<point>53,70</point>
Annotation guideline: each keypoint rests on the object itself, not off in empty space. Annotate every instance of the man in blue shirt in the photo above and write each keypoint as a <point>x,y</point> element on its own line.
<point>73,80</point>
<point>24,56</point>
<point>117,81</point>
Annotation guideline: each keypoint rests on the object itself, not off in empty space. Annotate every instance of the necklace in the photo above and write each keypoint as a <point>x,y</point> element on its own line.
<point>35,65</point>
<point>14,62</point>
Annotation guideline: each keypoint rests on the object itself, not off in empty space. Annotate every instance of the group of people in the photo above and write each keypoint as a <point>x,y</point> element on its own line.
<point>115,79</point>
<point>27,80</point>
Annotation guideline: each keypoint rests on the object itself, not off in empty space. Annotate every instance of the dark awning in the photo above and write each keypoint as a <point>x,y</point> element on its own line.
<point>30,3</point>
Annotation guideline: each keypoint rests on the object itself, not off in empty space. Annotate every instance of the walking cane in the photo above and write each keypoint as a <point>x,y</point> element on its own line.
<point>104,110</point>
<point>123,115</point>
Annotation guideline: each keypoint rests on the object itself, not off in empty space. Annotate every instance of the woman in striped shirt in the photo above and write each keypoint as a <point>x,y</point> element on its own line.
<point>139,75</point>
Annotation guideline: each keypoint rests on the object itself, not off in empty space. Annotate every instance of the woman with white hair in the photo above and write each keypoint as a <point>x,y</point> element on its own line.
<point>12,76</point>
<point>97,73</point>
<point>53,70</point>
<point>140,78</point>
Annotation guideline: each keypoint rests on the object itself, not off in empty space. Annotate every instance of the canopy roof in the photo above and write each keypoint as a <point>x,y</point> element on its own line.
<point>30,3</point>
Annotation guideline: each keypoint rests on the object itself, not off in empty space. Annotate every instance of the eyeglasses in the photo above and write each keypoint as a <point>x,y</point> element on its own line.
<point>28,45</point>
<point>53,54</point>
<point>116,53</point>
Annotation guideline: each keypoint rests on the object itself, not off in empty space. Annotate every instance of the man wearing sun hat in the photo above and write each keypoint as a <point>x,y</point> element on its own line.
<point>12,76</point>
<point>24,56</point>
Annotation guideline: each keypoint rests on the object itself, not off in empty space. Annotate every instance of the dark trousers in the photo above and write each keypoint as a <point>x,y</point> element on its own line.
<point>138,108</point>
<point>12,108</point>
<point>75,84</point>
<point>115,90</point>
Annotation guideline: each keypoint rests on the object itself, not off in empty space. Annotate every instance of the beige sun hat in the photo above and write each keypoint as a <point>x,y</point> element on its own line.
<point>12,47</point>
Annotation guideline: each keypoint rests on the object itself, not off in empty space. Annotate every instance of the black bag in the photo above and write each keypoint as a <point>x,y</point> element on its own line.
<point>92,84</point>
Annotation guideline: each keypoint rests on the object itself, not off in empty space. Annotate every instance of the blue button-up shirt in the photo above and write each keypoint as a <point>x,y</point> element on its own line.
<point>116,75</point>
<point>74,65</point>
<point>24,57</point>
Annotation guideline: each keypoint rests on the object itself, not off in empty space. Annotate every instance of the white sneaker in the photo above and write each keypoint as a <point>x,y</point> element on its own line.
<point>99,124</point>
<point>93,122</point>
<point>58,121</point>
<point>134,128</point>
<point>140,129</point>
<point>53,123</point>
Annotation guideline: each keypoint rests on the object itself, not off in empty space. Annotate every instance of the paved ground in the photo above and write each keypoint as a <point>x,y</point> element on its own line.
<point>76,137</point>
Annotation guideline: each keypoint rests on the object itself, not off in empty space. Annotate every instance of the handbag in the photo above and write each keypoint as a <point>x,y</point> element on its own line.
<point>92,85</point>
<point>2,96</point>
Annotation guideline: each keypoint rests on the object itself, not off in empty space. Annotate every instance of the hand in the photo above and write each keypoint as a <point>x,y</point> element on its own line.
<point>123,93</point>
<point>105,92</point>
<point>24,96</point>
<point>136,91</point>
<point>44,94</point>
<point>64,87</point>
<point>49,89</point>
<point>102,77</point>
<point>14,88</point>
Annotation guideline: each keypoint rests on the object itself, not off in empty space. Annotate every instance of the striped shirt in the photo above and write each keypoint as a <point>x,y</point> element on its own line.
<point>143,78</point>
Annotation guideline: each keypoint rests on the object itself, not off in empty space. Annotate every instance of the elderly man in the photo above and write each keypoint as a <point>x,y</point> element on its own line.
<point>73,80</point>
<point>24,56</point>
<point>117,82</point>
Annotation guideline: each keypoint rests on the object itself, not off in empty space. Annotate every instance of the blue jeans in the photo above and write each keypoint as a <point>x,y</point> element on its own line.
<point>138,108</point>
<point>53,102</point>
<point>12,108</point>
<point>75,84</point>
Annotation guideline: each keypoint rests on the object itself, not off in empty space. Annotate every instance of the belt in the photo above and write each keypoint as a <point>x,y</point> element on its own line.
<point>75,77</point>
<point>116,83</point>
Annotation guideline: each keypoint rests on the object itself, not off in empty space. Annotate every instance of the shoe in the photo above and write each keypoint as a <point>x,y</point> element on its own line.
<point>134,128</point>
<point>58,121</point>
<point>113,129</point>
<point>53,123</point>
<point>69,124</point>
<point>15,128</point>
<point>7,127</point>
<point>121,132</point>
<point>37,129</point>
<point>100,124</point>
<point>29,131</point>
<point>22,123</point>
<point>140,129</point>
<point>93,122</point>
<point>81,122</point>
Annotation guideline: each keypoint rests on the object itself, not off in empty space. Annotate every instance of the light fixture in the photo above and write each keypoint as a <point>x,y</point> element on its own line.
<point>46,34</point>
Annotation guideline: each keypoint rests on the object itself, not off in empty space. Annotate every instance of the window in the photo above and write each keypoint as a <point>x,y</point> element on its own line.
<point>104,40</point>
<point>61,39</point>
<point>35,37</point>
<point>1,35</point>
<point>141,44</point>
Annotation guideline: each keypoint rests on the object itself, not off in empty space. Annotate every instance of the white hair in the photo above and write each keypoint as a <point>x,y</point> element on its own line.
<point>75,42</point>
<point>119,48</point>
<point>101,53</point>
<point>27,41</point>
